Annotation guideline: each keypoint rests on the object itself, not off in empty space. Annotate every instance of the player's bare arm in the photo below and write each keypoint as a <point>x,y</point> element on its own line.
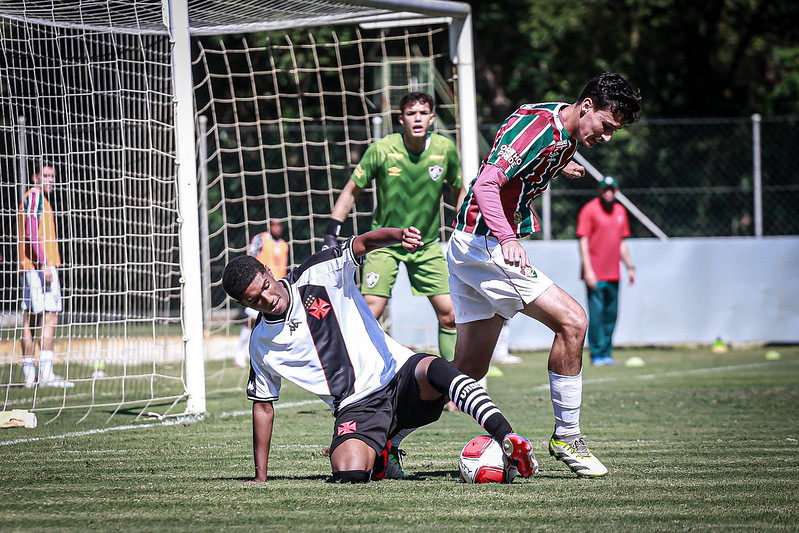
<point>345,201</point>
<point>588,271</point>
<point>263,416</point>
<point>624,252</point>
<point>411,238</point>
<point>458,193</point>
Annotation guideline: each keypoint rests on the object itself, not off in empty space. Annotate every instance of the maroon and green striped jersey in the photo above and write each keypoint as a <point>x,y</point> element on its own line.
<point>409,186</point>
<point>530,148</point>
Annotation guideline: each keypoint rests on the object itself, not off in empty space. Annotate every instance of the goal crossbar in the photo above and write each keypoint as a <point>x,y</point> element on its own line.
<point>207,18</point>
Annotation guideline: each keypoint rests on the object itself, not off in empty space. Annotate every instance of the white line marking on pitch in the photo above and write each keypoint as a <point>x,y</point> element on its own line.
<point>675,373</point>
<point>166,422</point>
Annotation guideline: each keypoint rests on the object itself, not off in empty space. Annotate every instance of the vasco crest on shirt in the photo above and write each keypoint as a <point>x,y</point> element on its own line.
<point>435,172</point>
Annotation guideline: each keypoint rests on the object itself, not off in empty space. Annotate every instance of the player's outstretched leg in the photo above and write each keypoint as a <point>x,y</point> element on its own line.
<point>471,398</point>
<point>520,449</point>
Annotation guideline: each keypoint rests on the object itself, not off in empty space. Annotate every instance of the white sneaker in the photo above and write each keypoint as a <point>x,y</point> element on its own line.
<point>56,382</point>
<point>30,381</point>
<point>507,359</point>
<point>575,453</point>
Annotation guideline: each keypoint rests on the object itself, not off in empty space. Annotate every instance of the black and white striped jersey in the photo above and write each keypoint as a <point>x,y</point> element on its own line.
<point>328,342</point>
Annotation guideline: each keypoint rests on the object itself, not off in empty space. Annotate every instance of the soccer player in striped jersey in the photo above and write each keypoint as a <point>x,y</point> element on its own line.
<point>491,276</point>
<point>316,330</point>
<point>39,261</point>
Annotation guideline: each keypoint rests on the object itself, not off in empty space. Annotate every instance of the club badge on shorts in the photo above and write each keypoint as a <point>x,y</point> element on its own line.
<point>435,172</point>
<point>372,279</point>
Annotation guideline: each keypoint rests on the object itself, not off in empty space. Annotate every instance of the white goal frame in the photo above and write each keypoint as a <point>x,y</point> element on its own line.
<point>181,20</point>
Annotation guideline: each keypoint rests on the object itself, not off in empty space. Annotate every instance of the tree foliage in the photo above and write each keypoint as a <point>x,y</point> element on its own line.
<point>727,58</point>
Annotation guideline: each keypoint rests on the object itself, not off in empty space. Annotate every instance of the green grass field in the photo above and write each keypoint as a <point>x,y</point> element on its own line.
<point>693,440</point>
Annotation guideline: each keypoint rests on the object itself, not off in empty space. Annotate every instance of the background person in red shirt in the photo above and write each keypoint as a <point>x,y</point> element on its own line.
<point>602,226</point>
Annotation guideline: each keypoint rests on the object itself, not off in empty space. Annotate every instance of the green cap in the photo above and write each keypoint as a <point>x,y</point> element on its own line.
<point>609,181</point>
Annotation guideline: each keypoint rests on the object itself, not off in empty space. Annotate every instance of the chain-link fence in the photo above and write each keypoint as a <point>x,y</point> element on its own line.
<point>694,177</point>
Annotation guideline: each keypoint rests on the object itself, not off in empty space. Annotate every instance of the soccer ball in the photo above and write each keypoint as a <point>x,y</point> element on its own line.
<point>483,461</point>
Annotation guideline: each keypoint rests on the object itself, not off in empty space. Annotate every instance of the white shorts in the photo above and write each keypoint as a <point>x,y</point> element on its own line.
<point>38,297</point>
<point>482,285</point>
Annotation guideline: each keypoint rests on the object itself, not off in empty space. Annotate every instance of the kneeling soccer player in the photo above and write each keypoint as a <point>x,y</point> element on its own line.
<point>316,330</point>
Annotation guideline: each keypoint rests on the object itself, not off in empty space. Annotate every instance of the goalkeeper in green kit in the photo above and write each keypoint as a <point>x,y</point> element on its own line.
<point>410,170</point>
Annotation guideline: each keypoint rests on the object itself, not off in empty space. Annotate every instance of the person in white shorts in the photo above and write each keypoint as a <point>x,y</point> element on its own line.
<point>39,261</point>
<point>491,276</point>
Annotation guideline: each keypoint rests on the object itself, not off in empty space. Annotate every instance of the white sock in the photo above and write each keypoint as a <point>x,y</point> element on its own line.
<point>29,369</point>
<point>46,365</point>
<point>566,393</point>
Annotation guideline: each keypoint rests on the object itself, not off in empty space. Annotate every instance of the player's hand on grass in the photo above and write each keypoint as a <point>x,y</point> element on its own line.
<point>411,238</point>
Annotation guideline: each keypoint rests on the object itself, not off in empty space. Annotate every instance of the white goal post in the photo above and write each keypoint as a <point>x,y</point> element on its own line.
<point>125,101</point>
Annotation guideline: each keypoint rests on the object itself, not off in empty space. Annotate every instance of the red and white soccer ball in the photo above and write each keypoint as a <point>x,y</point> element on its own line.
<point>483,461</point>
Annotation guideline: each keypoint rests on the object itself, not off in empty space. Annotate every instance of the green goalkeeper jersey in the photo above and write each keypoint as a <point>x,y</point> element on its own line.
<point>409,186</point>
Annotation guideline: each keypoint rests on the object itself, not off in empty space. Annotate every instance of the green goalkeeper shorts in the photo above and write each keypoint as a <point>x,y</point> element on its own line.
<point>427,270</point>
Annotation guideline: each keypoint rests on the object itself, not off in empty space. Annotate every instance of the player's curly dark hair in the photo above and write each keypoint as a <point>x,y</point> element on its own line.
<point>610,90</point>
<point>416,96</point>
<point>239,273</point>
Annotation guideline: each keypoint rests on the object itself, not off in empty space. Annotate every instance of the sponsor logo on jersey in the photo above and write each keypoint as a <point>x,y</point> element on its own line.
<point>359,172</point>
<point>509,154</point>
<point>317,307</point>
<point>394,155</point>
<point>394,172</point>
<point>372,279</point>
<point>437,157</point>
<point>350,426</point>
<point>435,172</point>
<point>560,145</point>
<point>294,324</point>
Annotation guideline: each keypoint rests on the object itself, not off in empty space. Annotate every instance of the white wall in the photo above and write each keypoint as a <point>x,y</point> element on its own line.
<point>741,289</point>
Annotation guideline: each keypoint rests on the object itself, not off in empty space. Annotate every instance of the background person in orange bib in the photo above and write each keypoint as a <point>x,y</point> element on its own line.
<point>39,262</point>
<point>271,250</point>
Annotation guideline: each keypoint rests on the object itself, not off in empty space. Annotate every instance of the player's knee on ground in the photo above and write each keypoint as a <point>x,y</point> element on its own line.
<point>351,476</point>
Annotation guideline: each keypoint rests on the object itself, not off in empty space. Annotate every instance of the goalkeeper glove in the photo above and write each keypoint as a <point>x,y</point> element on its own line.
<point>331,235</point>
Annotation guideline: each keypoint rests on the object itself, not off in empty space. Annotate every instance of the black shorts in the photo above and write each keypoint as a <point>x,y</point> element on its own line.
<point>377,418</point>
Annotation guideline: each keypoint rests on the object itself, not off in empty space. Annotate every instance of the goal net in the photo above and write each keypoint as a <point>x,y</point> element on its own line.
<point>290,115</point>
<point>93,88</point>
